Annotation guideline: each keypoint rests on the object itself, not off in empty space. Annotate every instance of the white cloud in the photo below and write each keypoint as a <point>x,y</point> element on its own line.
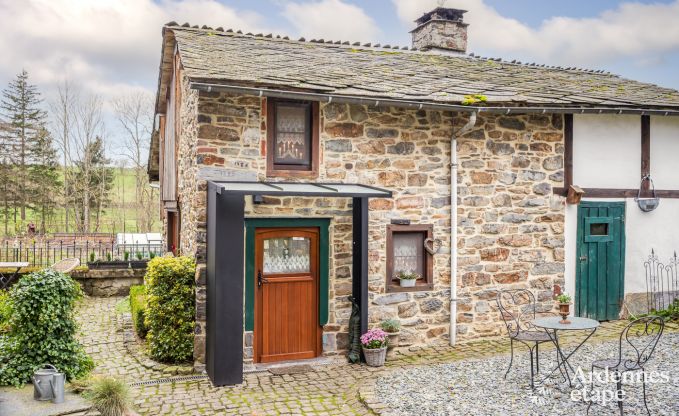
<point>107,46</point>
<point>633,31</point>
<point>331,19</point>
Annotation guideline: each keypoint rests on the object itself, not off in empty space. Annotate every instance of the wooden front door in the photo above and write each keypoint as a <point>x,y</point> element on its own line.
<point>600,260</point>
<point>286,294</point>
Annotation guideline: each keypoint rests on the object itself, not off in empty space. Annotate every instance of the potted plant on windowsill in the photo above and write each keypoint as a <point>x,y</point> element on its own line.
<point>393,329</point>
<point>374,344</point>
<point>564,300</point>
<point>407,279</point>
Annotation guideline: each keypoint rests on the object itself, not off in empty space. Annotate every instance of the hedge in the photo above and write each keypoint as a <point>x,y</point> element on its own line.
<point>138,309</point>
<point>170,308</point>
<point>42,329</point>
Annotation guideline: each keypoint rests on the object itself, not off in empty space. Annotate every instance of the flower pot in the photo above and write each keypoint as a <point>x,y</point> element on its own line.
<point>408,282</point>
<point>564,311</point>
<point>393,340</point>
<point>375,357</point>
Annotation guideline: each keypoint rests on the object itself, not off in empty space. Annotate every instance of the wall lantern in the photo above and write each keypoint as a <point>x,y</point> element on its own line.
<point>647,204</point>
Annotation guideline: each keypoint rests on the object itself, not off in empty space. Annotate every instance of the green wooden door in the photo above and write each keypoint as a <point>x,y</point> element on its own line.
<point>600,274</point>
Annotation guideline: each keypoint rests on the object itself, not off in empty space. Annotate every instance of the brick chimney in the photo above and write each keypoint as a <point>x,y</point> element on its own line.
<point>441,29</point>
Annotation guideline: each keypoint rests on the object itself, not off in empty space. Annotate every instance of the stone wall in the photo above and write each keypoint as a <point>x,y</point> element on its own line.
<point>109,282</point>
<point>510,227</point>
<point>510,223</point>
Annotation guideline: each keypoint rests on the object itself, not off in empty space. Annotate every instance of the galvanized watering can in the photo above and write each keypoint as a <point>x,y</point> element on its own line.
<point>48,384</point>
<point>647,204</point>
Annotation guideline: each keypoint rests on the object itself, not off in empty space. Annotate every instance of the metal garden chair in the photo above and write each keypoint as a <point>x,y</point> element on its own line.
<point>65,265</point>
<point>637,344</point>
<point>518,310</point>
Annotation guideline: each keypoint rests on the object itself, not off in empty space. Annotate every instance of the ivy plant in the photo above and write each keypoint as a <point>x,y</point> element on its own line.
<point>170,308</point>
<point>42,329</point>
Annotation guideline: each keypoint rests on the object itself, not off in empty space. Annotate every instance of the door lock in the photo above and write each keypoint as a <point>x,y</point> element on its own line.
<point>260,279</point>
<point>583,258</point>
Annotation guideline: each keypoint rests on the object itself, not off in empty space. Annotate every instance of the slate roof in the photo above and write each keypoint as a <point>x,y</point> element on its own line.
<point>342,68</point>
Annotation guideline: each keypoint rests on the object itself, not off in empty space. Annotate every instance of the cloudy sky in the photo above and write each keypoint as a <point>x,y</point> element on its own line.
<point>113,46</point>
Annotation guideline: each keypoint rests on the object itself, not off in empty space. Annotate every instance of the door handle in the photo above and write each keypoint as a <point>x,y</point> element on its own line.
<point>260,279</point>
<point>583,258</point>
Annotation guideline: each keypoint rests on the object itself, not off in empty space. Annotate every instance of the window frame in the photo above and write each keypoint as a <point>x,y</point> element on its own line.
<point>292,170</point>
<point>426,283</point>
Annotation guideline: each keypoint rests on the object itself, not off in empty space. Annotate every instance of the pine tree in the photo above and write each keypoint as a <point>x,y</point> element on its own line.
<point>44,177</point>
<point>20,106</point>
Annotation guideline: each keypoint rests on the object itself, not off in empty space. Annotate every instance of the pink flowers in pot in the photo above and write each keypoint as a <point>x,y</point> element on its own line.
<point>374,339</point>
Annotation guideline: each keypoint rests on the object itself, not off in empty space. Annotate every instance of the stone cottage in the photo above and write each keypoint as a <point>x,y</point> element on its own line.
<point>303,172</point>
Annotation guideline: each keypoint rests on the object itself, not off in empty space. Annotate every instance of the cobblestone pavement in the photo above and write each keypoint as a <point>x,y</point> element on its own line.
<point>334,389</point>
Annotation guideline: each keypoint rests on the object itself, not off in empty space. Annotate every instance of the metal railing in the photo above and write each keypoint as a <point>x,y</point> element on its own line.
<point>662,281</point>
<point>46,253</point>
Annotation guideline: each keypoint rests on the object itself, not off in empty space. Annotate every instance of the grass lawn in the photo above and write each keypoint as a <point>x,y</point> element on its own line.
<point>120,216</point>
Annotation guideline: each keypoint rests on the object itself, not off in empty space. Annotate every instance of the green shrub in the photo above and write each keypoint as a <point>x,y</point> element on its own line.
<point>138,309</point>
<point>42,328</point>
<point>5,311</point>
<point>109,396</point>
<point>93,257</point>
<point>170,308</point>
<point>126,255</point>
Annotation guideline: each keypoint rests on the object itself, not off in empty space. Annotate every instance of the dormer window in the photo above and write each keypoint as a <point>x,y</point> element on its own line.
<point>292,138</point>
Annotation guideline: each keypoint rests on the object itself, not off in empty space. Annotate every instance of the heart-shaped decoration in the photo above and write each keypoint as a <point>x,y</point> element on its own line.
<point>432,245</point>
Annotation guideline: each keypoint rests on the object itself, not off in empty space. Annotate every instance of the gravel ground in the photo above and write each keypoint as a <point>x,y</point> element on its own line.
<point>478,388</point>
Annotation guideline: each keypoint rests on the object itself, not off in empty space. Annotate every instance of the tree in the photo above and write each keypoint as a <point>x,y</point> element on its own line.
<point>135,115</point>
<point>62,111</point>
<point>44,177</point>
<point>21,107</point>
<point>89,192</point>
<point>7,178</point>
<point>92,192</point>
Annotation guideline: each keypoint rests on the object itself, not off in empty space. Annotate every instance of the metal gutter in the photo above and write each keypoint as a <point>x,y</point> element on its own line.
<point>391,102</point>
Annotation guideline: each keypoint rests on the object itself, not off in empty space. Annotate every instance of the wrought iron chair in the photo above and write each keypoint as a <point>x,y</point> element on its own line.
<point>518,309</point>
<point>640,339</point>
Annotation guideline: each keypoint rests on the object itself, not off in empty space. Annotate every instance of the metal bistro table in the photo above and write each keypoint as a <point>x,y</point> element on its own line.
<point>5,281</point>
<point>552,326</point>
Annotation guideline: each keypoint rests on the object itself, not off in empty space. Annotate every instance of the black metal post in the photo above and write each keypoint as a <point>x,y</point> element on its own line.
<point>225,286</point>
<point>360,258</point>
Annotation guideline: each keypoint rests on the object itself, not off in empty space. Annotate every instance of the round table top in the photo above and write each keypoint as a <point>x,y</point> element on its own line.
<point>552,322</point>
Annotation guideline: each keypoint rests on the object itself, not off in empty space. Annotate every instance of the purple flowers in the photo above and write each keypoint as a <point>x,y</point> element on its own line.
<point>374,339</point>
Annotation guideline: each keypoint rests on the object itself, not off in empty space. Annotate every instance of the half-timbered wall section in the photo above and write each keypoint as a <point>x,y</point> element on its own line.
<point>610,155</point>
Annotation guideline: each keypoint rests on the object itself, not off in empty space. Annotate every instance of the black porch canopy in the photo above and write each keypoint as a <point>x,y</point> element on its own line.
<point>225,262</point>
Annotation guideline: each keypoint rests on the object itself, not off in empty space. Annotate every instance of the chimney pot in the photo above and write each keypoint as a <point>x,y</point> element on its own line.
<point>441,29</point>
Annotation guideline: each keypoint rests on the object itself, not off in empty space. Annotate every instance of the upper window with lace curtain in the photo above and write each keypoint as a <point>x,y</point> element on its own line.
<point>292,138</point>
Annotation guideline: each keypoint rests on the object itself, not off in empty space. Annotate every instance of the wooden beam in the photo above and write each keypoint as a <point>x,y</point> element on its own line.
<point>645,150</point>
<point>619,193</point>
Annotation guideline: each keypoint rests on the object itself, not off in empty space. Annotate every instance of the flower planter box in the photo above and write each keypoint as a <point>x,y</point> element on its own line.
<point>408,282</point>
<point>117,264</point>
<point>108,265</point>
<point>375,357</point>
<point>394,339</point>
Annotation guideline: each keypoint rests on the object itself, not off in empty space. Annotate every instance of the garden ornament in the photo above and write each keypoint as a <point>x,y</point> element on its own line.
<point>48,384</point>
<point>432,245</point>
<point>647,204</point>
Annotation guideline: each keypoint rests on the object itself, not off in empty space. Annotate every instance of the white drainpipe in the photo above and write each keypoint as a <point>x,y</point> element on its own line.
<point>453,226</point>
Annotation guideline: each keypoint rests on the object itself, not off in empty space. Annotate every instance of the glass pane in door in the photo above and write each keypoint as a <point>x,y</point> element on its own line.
<point>286,255</point>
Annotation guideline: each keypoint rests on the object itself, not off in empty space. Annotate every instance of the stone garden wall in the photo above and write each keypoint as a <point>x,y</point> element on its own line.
<point>109,282</point>
<point>510,227</point>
